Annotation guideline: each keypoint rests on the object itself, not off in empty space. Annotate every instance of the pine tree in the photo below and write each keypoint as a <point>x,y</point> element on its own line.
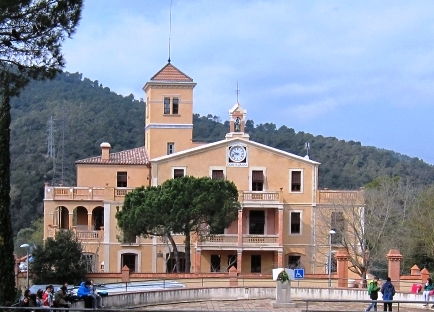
<point>31,33</point>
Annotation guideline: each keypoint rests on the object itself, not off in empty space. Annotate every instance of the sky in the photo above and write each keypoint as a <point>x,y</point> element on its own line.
<point>354,70</point>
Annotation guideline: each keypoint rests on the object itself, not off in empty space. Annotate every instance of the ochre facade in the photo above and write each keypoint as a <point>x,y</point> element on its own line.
<point>278,225</point>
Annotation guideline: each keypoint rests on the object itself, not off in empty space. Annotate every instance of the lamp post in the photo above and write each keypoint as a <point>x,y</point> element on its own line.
<point>28,247</point>
<point>331,232</point>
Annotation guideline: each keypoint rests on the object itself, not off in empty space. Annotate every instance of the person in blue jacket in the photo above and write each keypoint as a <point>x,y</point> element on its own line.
<point>85,292</point>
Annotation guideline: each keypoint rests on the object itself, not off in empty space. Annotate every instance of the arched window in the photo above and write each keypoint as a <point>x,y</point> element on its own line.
<point>129,260</point>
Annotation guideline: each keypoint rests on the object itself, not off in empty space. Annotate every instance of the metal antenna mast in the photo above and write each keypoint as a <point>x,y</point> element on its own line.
<point>170,27</point>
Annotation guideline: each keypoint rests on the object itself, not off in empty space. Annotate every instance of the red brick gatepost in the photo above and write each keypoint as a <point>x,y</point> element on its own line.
<point>125,274</point>
<point>342,258</point>
<point>394,258</point>
<point>424,274</point>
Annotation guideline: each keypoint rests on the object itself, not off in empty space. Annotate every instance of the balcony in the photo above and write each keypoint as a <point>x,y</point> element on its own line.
<point>340,197</point>
<point>231,240</point>
<point>269,197</point>
<point>82,235</point>
<point>86,193</point>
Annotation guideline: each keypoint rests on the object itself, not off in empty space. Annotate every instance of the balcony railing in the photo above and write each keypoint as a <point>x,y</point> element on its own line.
<point>261,196</point>
<point>83,235</point>
<point>85,193</point>
<point>260,239</point>
<point>232,240</point>
<point>340,197</point>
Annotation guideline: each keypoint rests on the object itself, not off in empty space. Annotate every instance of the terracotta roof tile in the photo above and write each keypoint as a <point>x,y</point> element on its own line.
<point>135,156</point>
<point>172,74</point>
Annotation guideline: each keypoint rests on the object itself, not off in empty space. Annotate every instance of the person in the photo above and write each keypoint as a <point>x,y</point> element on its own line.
<point>39,300</point>
<point>427,289</point>
<point>85,292</point>
<point>70,297</point>
<point>94,293</point>
<point>47,297</point>
<point>388,291</point>
<point>59,298</point>
<point>27,300</point>
<point>373,289</point>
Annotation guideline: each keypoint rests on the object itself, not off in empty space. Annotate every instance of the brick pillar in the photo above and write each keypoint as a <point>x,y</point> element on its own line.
<point>424,274</point>
<point>415,270</point>
<point>394,258</point>
<point>239,260</point>
<point>197,256</point>
<point>240,228</point>
<point>342,258</point>
<point>125,274</point>
<point>233,277</point>
<point>280,228</point>
<point>280,259</point>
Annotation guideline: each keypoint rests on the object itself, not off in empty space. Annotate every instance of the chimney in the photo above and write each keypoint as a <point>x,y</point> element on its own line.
<point>105,150</point>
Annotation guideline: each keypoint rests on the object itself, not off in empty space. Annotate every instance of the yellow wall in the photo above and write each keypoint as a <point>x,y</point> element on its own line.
<point>91,175</point>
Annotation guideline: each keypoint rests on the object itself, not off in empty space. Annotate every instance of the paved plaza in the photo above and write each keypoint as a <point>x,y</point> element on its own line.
<point>265,305</point>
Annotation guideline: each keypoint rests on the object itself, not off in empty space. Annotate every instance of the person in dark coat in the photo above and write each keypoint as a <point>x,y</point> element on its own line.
<point>388,291</point>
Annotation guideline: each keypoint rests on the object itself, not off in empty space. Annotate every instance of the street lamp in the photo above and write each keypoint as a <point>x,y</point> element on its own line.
<point>28,248</point>
<point>331,232</point>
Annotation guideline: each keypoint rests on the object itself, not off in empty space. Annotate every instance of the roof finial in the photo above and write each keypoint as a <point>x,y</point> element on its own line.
<point>237,91</point>
<point>170,27</point>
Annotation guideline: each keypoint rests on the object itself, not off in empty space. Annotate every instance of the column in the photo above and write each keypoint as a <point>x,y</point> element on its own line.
<point>239,260</point>
<point>70,219</point>
<point>240,228</point>
<point>342,258</point>
<point>89,221</point>
<point>280,227</point>
<point>394,258</point>
<point>280,259</point>
<point>197,257</point>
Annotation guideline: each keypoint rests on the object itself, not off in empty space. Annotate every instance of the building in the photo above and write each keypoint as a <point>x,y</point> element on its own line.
<point>276,227</point>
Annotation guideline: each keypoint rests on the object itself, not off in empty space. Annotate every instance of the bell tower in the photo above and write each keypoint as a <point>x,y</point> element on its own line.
<point>237,122</point>
<point>168,112</point>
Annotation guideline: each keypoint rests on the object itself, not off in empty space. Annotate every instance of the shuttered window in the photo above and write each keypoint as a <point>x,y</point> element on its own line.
<point>178,173</point>
<point>122,179</point>
<point>295,181</point>
<point>218,174</point>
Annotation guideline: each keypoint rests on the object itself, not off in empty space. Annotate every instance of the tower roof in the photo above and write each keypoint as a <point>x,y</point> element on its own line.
<point>170,73</point>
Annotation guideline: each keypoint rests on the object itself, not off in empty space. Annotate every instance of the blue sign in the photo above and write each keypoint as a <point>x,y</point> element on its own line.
<point>298,273</point>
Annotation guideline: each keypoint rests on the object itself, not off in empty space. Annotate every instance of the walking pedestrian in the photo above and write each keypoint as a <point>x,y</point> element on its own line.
<point>388,291</point>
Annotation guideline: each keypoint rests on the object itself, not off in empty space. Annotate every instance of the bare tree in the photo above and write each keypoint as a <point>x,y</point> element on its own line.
<point>367,223</point>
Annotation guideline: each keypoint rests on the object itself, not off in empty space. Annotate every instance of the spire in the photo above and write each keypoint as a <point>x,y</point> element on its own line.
<point>170,27</point>
<point>237,91</point>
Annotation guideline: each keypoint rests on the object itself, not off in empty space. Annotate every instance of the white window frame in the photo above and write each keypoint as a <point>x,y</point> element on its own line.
<point>301,181</point>
<point>264,171</point>
<point>130,251</point>
<point>301,223</point>
<point>173,171</point>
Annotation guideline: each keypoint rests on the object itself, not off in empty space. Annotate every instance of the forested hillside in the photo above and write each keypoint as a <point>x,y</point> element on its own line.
<point>85,113</point>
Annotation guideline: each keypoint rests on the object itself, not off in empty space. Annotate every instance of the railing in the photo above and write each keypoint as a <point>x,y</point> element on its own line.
<point>85,193</point>
<point>260,196</point>
<point>337,197</point>
<point>222,239</point>
<point>260,239</point>
<point>88,235</point>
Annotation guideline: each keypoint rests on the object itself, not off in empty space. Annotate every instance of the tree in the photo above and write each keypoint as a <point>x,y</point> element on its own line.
<point>60,260</point>
<point>31,33</point>
<point>187,205</point>
<point>368,223</point>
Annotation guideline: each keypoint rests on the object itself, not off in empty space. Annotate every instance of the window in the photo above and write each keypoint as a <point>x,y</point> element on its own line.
<point>178,173</point>
<point>337,223</point>
<point>129,260</point>
<point>257,222</point>
<point>170,148</point>
<point>171,262</point>
<point>232,261</point>
<point>295,181</point>
<point>334,266</point>
<point>166,106</point>
<point>295,222</point>
<point>90,260</point>
<point>293,262</point>
<point>122,179</point>
<point>218,174</point>
<point>257,180</point>
<point>255,264</point>
<point>128,239</point>
<point>215,263</point>
<point>175,106</point>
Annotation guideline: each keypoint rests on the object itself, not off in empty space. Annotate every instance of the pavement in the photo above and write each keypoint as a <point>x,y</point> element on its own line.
<point>266,305</point>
